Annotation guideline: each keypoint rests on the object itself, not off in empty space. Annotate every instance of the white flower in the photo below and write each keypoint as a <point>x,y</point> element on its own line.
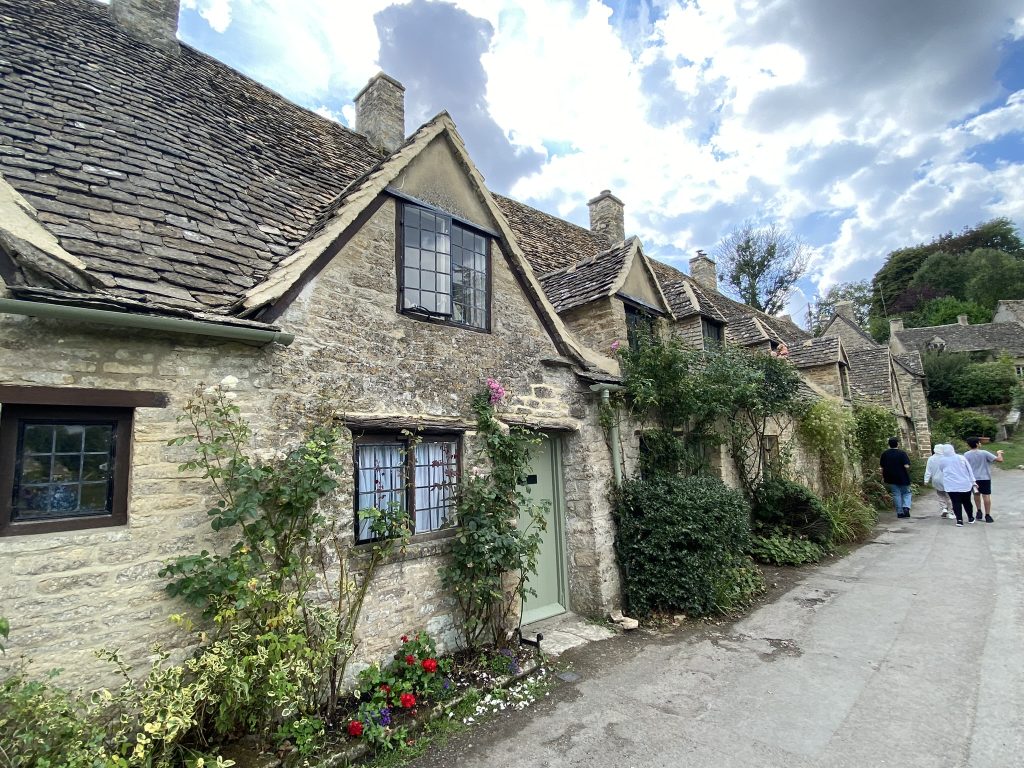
<point>230,395</point>
<point>228,382</point>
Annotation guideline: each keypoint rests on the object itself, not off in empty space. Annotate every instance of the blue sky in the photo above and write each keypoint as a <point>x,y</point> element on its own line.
<point>862,127</point>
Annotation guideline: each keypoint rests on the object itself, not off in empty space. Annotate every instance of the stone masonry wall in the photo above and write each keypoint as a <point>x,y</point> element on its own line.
<point>69,594</point>
<point>598,324</point>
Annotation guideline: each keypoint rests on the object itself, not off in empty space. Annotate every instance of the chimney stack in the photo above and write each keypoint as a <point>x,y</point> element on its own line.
<point>845,309</point>
<point>702,269</point>
<point>962,320</point>
<point>895,325</point>
<point>154,22</point>
<point>607,217</point>
<point>380,112</point>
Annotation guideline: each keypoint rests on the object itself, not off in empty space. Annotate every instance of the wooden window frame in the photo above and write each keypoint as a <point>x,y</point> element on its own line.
<point>409,473</point>
<point>705,324</point>
<point>11,414</point>
<point>400,205</point>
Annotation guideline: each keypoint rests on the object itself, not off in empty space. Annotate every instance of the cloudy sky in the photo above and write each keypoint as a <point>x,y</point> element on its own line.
<point>861,126</point>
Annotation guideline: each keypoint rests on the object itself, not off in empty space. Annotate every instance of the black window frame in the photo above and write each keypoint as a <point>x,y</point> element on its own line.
<point>639,322</point>
<point>404,442</point>
<point>14,417</point>
<point>712,332</point>
<point>401,205</point>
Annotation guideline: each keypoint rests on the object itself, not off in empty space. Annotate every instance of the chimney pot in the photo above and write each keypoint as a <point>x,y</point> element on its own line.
<point>703,270</point>
<point>380,112</point>
<point>844,309</point>
<point>895,324</point>
<point>962,320</point>
<point>154,22</point>
<point>607,217</point>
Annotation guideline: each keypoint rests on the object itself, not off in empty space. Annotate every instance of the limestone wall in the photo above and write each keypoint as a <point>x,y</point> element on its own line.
<point>69,594</point>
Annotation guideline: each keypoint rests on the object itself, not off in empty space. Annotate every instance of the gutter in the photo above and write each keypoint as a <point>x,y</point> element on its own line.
<point>605,389</point>
<point>257,336</point>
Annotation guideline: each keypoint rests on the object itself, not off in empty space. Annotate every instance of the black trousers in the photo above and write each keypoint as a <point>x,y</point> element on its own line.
<point>961,501</point>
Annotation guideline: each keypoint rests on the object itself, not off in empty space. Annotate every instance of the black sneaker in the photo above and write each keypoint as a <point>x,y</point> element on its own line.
<point>970,520</point>
<point>988,519</point>
<point>959,523</point>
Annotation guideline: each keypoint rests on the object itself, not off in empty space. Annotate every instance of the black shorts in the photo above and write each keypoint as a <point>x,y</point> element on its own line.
<point>984,487</point>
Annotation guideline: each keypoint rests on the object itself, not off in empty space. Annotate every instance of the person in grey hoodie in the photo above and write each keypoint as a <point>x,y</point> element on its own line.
<point>958,479</point>
<point>933,476</point>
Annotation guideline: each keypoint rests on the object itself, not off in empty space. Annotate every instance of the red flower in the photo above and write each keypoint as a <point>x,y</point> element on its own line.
<point>405,638</point>
<point>355,728</point>
<point>429,665</point>
<point>410,659</point>
<point>385,687</point>
<point>407,700</point>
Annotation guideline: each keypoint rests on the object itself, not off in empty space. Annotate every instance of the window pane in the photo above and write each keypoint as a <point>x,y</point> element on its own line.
<point>443,244</point>
<point>456,237</point>
<point>427,280</point>
<point>412,278</point>
<point>95,466</point>
<point>444,304</point>
<point>94,497</point>
<point>98,438</point>
<point>443,264</point>
<point>39,439</point>
<point>411,299</point>
<point>380,480</point>
<point>67,466</point>
<point>442,225</point>
<point>427,240</point>
<point>427,261</point>
<point>35,469</point>
<point>436,477</point>
<point>412,216</point>
<point>412,257</point>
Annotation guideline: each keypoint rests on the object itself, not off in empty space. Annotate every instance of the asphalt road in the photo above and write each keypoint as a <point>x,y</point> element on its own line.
<point>908,652</point>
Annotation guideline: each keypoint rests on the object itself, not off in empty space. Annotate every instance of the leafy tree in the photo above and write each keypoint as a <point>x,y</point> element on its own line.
<point>897,275</point>
<point>945,273</point>
<point>761,265</point>
<point>821,309</point>
<point>955,381</point>
<point>995,275</point>
<point>945,311</point>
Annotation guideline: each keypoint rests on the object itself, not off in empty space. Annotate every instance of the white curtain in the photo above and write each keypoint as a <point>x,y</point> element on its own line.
<point>381,480</point>
<point>435,483</point>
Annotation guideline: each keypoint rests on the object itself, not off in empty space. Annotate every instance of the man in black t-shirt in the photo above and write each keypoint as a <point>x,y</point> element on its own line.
<point>895,466</point>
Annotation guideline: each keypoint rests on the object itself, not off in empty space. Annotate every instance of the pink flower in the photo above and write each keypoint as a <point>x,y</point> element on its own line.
<point>497,392</point>
<point>616,345</point>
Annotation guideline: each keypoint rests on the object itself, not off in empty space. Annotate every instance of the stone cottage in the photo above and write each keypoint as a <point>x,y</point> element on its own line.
<point>884,376</point>
<point>166,222</point>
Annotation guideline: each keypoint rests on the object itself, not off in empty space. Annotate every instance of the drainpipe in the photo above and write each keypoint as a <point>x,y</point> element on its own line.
<point>605,389</point>
<point>257,336</point>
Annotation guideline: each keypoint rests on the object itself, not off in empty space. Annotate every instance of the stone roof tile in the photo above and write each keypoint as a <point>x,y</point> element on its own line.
<point>588,279</point>
<point>983,337</point>
<point>822,350</point>
<point>185,160</point>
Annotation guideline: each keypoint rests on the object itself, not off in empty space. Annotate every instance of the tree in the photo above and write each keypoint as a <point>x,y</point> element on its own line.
<point>821,308</point>
<point>761,265</point>
<point>995,275</point>
<point>945,311</point>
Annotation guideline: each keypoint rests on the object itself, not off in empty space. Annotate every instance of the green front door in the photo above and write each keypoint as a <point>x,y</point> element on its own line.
<point>544,484</point>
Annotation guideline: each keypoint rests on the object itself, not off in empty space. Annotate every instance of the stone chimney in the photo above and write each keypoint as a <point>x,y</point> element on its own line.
<point>702,269</point>
<point>845,309</point>
<point>895,325</point>
<point>962,320</point>
<point>607,217</point>
<point>380,112</point>
<point>154,22</point>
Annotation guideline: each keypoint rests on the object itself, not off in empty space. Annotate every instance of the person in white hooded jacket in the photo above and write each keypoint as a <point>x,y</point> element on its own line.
<point>933,477</point>
<point>958,480</point>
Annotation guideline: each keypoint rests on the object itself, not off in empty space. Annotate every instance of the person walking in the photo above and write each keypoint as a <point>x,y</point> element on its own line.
<point>895,466</point>
<point>958,479</point>
<point>933,477</point>
<point>980,461</point>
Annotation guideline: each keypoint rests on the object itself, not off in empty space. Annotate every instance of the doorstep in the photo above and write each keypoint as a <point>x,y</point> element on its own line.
<point>566,631</point>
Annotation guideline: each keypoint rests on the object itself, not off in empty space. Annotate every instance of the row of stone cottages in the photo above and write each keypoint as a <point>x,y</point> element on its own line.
<point>166,221</point>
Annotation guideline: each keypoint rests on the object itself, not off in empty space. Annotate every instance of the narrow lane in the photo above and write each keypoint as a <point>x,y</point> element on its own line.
<point>909,652</point>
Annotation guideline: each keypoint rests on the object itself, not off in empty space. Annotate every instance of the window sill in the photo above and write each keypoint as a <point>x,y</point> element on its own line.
<point>420,546</point>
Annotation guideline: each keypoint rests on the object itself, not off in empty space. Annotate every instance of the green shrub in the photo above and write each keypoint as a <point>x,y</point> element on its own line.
<point>829,429</point>
<point>851,517</point>
<point>874,426</point>
<point>985,384</point>
<point>681,542</point>
<point>874,492</point>
<point>785,550</point>
<point>948,425</point>
<point>782,506</point>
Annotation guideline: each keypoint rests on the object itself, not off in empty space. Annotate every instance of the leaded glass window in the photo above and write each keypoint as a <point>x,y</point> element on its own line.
<point>445,268</point>
<point>419,479</point>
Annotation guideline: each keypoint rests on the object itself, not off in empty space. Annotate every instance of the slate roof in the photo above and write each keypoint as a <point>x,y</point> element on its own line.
<point>775,328</point>
<point>684,294</point>
<point>588,279</point>
<point>177,180</point>
<point>983,337</point>
<point>549,243</point>
<point>823,350</point>
<point>912,362</point>
<point>870,377</point>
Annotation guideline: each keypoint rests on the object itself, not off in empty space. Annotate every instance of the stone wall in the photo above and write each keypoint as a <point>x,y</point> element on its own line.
<point>916,403</point>
<point>688,331</point>
<point>72,593</point>
<point>826,377</point>
<point>598,324</point>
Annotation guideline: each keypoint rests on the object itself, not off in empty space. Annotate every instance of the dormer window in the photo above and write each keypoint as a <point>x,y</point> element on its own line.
<point>639,325</point>
<point>713,333</point>
<point>444,269</point>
